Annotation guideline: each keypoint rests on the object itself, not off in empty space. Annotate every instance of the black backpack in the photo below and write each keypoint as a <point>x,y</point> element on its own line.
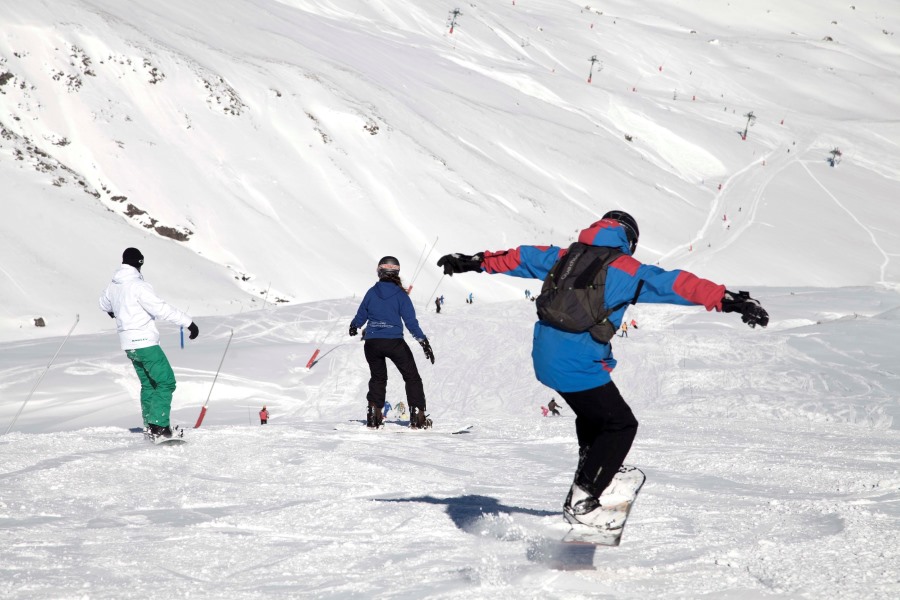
<point>573,295</point>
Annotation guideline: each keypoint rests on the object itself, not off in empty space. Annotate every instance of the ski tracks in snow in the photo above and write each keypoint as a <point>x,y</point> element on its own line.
<point>886,259</point>
<point>758,482</point>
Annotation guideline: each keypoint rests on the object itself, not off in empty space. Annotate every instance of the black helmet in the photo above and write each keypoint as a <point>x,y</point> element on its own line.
<point>628,224</point>
<point>388,264</point>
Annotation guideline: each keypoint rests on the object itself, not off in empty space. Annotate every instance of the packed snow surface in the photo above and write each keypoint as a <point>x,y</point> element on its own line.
<point>771,459</point>
<point>263,154</point>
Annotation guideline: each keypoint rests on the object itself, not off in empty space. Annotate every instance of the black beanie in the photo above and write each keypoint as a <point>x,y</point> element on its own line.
<point>133,257</point>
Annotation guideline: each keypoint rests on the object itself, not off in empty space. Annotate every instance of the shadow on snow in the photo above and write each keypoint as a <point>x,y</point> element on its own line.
<point>466,511</point>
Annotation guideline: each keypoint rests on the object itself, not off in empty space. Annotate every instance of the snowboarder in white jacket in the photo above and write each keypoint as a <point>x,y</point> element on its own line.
<point>134,305</point>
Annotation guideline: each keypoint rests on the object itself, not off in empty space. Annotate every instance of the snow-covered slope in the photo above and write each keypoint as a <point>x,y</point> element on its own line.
<point>264,154</point>
<point>770,454</point>
<point>289,145</point>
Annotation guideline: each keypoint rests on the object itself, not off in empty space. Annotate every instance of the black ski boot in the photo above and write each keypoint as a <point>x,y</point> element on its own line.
<point>157,431</point>
<point>374,416</point>
<point>582,454</point>
<point>580,502</point>
<point>418,419</point>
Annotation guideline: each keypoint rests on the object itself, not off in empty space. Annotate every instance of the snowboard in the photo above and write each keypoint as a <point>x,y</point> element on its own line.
<point>397,426</point>
<point>172,441</point>
<point>176,440</point>
<point>617,500</point>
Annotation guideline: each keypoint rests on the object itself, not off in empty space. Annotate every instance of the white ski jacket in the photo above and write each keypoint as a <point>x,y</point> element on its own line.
<point>136,306</point>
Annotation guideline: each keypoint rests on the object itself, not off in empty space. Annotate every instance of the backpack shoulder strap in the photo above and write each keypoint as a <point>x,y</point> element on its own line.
<point>637,292</point>
<point>600,257</point>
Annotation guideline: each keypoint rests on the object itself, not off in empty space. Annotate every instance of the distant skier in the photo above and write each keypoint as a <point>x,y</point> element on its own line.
<point>554,407</point>
<point>634,324</point>
<point>134,305</point>
<point>545,411</point>
<point>386,307</point>
<point>263,416</point>
<point>400,411</point>
<point>576,363</point>
<point>387,409</point>
<point>437,304</point>
<point>623,330</point>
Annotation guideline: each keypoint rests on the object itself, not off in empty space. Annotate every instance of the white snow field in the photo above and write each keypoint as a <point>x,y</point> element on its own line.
<point>263,154</point>
<point>771,459</point>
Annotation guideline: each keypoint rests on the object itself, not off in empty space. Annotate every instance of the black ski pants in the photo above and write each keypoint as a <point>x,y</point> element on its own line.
<point>606,428</point>
<point>377,352</point>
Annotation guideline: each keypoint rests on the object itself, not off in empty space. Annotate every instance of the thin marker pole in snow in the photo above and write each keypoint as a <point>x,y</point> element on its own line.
<point>203,410</point>
<point>47,368</point>
<point>266,297</point>
<point>419,266</point>
<point>418,262</point>
<point>329,352</point>
<point>428,299</point>
<point>312,360</point>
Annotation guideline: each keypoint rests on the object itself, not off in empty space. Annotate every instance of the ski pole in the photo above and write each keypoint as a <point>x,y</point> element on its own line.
<point>47,368</point>
<point>203,410</point>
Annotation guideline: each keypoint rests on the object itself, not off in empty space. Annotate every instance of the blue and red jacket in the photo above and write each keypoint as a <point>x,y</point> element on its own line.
<point>573,362</point>
<point>383,306</point>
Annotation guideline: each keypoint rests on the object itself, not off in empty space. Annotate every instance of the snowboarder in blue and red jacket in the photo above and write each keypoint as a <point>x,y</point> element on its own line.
<point>578,366</point>
<point>387,307</point>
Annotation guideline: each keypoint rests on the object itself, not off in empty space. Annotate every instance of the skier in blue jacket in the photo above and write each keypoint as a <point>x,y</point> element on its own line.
<point>387,307</point>
<point>578,366</point>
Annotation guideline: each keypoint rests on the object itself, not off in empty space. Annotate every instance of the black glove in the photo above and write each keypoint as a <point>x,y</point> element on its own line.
<point>111,315</point>
<point>195,331</point>
<point>460,263</point>
<point>751,312</point>
<point>353,330</point>
<point>429,353</point>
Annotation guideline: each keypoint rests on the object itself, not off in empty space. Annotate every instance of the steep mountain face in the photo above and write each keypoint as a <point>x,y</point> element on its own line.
<point>265,151</point>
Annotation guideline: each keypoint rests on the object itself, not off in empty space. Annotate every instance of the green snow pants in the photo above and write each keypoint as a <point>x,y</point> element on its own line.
<point>157,384</point>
